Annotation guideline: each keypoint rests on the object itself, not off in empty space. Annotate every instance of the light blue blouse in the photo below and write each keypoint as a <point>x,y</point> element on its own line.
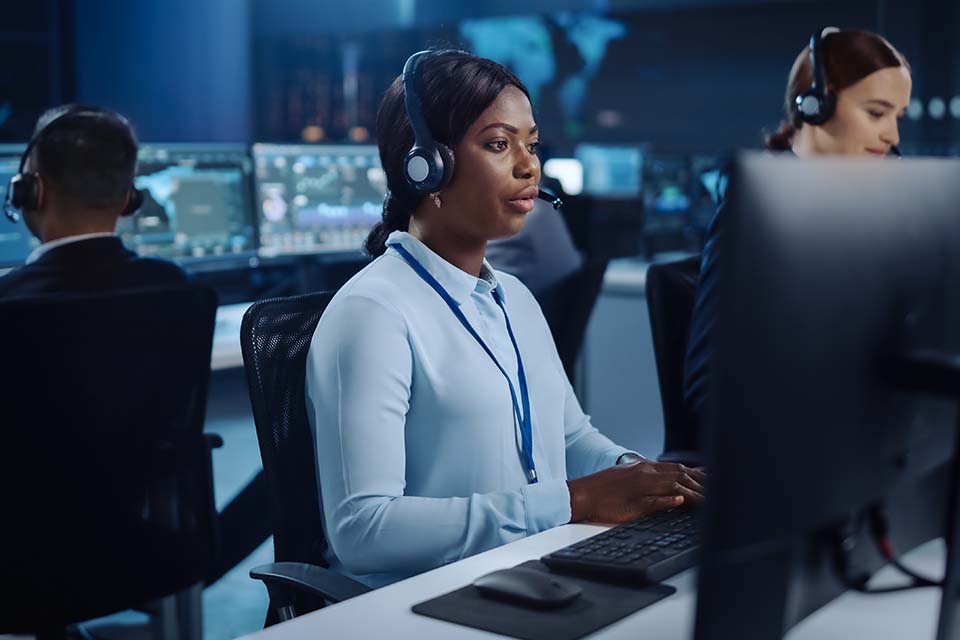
<point>417,447</point>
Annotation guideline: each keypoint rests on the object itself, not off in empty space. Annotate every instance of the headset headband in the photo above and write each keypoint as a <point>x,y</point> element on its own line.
<point>817,67</point>
<point>68,114</point>
<point>411,101</point>
<point>428,166</point>
<point>817,80</point>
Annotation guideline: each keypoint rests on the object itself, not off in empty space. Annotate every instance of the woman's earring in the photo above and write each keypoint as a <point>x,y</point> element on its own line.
<point>436,198</point>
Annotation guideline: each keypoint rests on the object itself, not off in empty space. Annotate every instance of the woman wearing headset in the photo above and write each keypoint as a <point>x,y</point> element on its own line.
<point>845,94</point>
<point>443,421</point>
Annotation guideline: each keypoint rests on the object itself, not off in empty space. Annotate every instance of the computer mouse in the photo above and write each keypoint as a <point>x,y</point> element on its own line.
<point>527,587</point>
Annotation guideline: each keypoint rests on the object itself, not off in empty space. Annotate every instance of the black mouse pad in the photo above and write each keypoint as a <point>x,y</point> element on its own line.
<point>600,604</point>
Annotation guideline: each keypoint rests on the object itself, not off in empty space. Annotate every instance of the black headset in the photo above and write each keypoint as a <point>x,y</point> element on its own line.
<point>428,166</point>
<point>817,104</point>
<point>23,192</point>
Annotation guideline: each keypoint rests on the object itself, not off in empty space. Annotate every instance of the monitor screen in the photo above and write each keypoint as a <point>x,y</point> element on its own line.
<point>611,171</point>
<point>16,241</point>
<point>667,185</point>
<point>708,186</point>
<point>568,172</point>
<point>317,198</point>
<point>197,203</point>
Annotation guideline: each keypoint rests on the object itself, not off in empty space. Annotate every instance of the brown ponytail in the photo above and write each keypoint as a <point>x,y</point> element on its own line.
<point>782,138</point>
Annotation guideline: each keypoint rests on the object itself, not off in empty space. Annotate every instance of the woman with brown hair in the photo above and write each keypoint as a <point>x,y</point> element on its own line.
<point>845,94</point>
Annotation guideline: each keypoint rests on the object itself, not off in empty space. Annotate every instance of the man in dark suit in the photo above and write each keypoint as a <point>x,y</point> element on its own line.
<point>79,169</point>
<point>75,181</point>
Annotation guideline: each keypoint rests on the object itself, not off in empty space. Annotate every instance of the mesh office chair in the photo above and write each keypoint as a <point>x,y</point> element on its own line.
<point>105,475</point>
<point>671,289</point>
<point>275,336</point>
<point>567,308</point>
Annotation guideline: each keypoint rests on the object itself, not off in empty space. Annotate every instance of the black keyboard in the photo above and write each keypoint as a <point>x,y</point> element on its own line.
<point>652,548</point>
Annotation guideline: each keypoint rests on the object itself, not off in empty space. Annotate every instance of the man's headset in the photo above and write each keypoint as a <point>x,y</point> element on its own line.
<point>24,191</point>
<point>428,166</point>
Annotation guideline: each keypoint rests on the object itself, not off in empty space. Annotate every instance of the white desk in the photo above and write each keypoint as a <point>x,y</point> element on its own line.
<point>226,336</point>
<point>628,276</point>
<point>385,613</point>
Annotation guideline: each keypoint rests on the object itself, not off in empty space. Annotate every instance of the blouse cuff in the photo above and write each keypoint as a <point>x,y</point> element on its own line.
<point>546,505</point>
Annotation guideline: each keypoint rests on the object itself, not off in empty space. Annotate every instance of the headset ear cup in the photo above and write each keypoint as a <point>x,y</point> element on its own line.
<point>828,106</point>
<point>16,193</point>
<point>419,170</point>
<point>446,154</point>
<point>814,107</point>
<point>25,192</point>
<point>134,203</point>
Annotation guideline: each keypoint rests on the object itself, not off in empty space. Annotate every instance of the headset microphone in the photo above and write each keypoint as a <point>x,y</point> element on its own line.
<point>552,198</point>
<point>895,151</point>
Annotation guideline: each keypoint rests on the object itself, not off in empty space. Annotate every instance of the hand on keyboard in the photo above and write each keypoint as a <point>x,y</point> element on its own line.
<point>628,492</point>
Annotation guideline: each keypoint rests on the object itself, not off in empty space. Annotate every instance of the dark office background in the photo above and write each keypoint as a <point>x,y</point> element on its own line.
<point>689,78</point>
<point>684,76</point>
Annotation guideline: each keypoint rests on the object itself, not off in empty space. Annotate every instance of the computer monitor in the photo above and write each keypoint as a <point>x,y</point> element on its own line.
<point>16,241</point>
<point>834,273</point>
<point>666,182</point>
<point>708,184</point>
<point>197,207</point>
<point>317,198</point>
<point>667,204</point>
<point>568,172</point>
<point>611,171</point>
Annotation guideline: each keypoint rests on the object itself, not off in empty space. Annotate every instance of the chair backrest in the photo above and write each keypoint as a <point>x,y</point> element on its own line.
<point>275,337</point>
<point>104,478</point>
<point>671,289</point>
<point>567,307</point>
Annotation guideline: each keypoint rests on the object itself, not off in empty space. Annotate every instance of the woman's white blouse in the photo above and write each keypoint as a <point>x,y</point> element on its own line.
<point>417,447</point>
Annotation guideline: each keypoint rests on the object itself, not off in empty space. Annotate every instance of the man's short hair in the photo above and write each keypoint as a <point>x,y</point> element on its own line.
<point>89,157</point>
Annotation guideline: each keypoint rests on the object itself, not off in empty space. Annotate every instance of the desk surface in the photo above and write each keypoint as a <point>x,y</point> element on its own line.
<point>624,277</point>
<point>386,613</point>
<point>226,336</point>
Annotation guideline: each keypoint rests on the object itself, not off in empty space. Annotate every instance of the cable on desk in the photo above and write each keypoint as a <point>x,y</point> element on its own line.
<point>879,533</point>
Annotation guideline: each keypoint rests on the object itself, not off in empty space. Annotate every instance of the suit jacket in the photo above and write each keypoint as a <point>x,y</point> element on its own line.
<point>95,265</point>
<point>700,347</point>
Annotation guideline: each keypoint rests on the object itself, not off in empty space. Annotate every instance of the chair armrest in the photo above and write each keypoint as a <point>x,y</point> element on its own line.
<point>213,440</point>
<point>315,580</point>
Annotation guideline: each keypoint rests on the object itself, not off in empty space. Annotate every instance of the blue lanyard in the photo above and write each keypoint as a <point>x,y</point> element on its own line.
<point>526,429</point>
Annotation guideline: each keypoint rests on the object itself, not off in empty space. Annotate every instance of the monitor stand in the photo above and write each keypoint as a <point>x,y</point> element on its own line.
<point>948,626</point>
<point>930,371</point>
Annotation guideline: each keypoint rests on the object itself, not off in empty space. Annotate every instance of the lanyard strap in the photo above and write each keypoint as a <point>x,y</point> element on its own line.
<point>523,419</point>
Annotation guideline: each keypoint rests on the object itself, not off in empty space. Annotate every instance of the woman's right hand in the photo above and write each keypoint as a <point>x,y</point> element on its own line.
<point>631,491</point>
